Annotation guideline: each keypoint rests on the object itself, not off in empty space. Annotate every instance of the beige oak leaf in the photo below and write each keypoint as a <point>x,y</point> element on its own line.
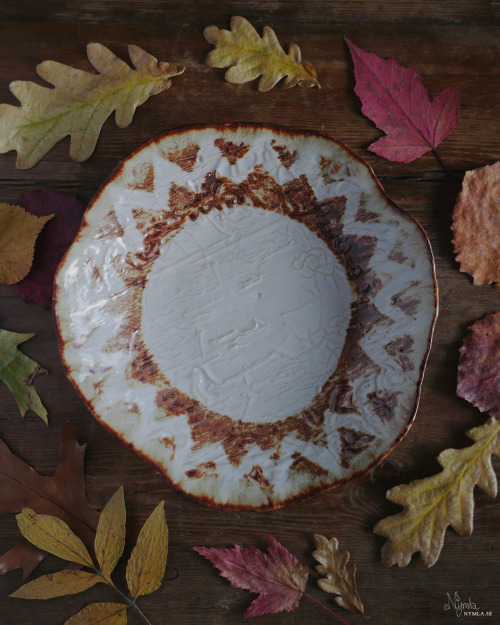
<point>58,584</point>
<point>110,536</point>
<point>249,56</point>
<point>432,504</point>
<point>100,614</point>
<point>79,103</point>
<point>19,230</point>
<point>339,575</point>
<point>146,566</point>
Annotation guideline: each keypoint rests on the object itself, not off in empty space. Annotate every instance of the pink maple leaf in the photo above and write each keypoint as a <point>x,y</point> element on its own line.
<point>394,98</point>
<point>51,244</point>
<point>277,577</point>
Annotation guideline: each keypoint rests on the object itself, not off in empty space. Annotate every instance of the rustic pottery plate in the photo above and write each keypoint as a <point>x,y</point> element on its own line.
<point>247,309</point>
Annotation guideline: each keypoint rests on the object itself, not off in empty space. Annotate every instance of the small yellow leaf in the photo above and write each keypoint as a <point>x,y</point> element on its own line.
<point>110,536</point>
<point>53,535</point>
<point>57,584</point>
<point>146,566</point>
<point>18,232</point>
<point>339,574</point>
<point>100,614</point>
<point>249,56</point>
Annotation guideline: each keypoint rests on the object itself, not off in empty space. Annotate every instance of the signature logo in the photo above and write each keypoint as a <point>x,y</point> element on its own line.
<point>464,608</point>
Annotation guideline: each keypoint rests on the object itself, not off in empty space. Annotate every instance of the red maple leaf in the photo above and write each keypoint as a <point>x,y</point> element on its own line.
<point>277,577</point>
<point>394,98</point>
<point>51,244</point>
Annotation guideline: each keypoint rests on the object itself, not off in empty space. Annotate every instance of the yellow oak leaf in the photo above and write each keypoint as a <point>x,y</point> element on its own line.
<point>339,574</point>
<point>432,504</point>
<point>110,536</point>
<point>18,372</point>
<point>249,56</point>
<point>80,102</point>
<point>146,566</point>
<point>18,232</point>
<point>100,614</point>
<point>53,535</point>
<point>67,582</point>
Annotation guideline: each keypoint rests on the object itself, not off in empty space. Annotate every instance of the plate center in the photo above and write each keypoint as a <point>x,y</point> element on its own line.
<point>246,311</point>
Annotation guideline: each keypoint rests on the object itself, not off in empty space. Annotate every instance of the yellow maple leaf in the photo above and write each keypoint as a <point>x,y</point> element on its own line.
<point>432,504</point>
<point>339,574</point>
<point>110,535</point>
<point>249,56</point>
<point>80,103</point>
<point>18,232</point>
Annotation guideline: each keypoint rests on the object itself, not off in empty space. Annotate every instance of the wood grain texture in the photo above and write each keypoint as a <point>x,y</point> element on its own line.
<point>450,43</point>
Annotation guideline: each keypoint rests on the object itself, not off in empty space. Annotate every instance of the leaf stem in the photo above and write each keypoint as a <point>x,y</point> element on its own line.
<point>441,162</point>
<point>130,602</point>
<point>327,609</point>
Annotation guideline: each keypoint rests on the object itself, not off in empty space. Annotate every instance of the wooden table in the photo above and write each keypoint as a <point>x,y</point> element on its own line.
<point>450,43</point>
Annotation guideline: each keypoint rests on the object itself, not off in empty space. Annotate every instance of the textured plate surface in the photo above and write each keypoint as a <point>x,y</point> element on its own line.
<point>248,310</point>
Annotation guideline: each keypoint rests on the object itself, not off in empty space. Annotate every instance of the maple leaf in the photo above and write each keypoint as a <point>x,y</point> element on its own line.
<point>277,577</point>
<point>394,98</point>
<point>479,365</point>
<point>80,102</point>
<point>432,504</point>
<point>249,56</point>
<point>339,574</point>
<point>18,232</point>
<point>18,372</point>
<point>476,225</point>
<point>62,495</point>
<point>52,243</point>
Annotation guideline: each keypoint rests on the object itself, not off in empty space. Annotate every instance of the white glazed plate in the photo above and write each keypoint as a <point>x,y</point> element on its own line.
<point>247,309</point>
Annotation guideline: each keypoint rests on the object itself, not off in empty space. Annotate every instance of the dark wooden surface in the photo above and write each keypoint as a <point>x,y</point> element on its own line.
<point>451,43</point>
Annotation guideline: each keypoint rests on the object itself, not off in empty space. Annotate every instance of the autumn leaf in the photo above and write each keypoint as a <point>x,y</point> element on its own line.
<point>62,495</point>
<point>146,566</point>
<point>277,577</point>
<point>394,98</point>
<point>249,56</point>
<point>432,504</point>
<point>18,232</point>
<point>110,536</point>
<point>338,573</point>
<point>18,372</point>
<point>100,614</point>
<point>79,103</point>
<point>52,244</point>
<point>476,225</point>
<point>57,584</point>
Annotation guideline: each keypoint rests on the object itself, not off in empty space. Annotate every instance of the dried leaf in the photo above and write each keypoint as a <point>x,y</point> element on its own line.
<point>79,104</point>
<point>110,536</point>
<point>340,574</point>
<point>277,577</point>
<point>52,244</point>
<point>53,535</point>
<point>394,98</point>
<point>61,495</point>
<point>250,56</point>
<point>100,614</point>
<point>479,365</point>
<point>476,225</point>
<point>57,585</point>
<point>18,372</point>
<point>431,504</point>
<point>146,566</point>
<point>18,232</point>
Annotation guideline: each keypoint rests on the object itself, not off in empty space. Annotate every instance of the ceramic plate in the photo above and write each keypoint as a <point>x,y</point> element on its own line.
<point>247,309</point>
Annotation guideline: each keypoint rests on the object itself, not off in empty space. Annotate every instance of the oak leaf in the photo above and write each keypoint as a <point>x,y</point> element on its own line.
<point>277,577</point>
<point>339,575</point>
<point>18,232</point>
<point>52,244</point>
<point>79,103</point>
<point>57,584</point>
<point>18,372</point>
<point>394,98</point>
<point>62,495</point>
<point>249,56</point>
<point>476,225</point>
<point>432,504</point>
